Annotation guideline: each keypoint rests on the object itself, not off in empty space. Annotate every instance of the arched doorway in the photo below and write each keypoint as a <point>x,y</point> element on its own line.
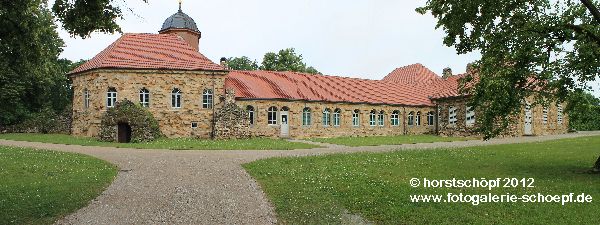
<point>123,133</point>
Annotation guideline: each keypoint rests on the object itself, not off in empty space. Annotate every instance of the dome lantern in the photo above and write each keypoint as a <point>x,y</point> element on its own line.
<point>184,26</point>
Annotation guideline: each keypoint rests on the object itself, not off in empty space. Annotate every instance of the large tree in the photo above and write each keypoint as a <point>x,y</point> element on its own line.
<point>242,63</point>
<point>286,60</point>
<point>544,48</point>
<point>29,49</point>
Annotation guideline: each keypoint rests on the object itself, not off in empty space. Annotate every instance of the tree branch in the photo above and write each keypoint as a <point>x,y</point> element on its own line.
<point>585,32</point>
<point>592,8</point>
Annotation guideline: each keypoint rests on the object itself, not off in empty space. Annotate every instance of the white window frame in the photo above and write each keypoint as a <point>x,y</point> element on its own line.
<point>145,97</point>
<point>326,120</point>
<point>176,98</point>
<point>373,118</point>
<point>469,116</point>
<point>207,99</point>
<point>395,118</point>
<point>194,125</point>
<point>452,116</point>
<point>411,119</point>
<point>545,115</point>
<point>272,115</point>
<point>559,116</point>
<point>111,97</point>
<point>306,116</point>
<point>356,118</point>
<point>336,117</point>
<point>430,118</point>
<point>381,118</point>
<point>418,119</point>
<point>86,98</point>
<point>251,115</point>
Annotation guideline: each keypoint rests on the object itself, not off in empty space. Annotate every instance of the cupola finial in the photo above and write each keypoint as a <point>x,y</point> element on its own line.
<point>180,5</point>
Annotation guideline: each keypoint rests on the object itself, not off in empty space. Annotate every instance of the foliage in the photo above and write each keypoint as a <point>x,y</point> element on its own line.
<point>31,78</point>
<point>82,17</point>
<point>286,60</point>
<point>164,143</point>
<point>45,121</point>
<point>144,126</point>
<point>584,111</point>
<point>375,186</point>
<point>540,48</point>
<point>242,63</point>
<point>387,140</point>
<point>40,187</point>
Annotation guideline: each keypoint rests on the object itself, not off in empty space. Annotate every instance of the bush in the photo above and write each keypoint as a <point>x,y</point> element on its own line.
<point>144,126</point>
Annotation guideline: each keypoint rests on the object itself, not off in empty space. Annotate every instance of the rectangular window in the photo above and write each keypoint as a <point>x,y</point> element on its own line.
<point>545,115</point>
<point>372,118</point>
<point>411,119</point>
<point>111,99</point>
<point>452,115</point>
<point>395,119</point>
<point>430,119</point>
<point>559,117</point>
<point>145,99</point>
<point>86,99</point>
<point>207,99</point>
<point>336,119</point>
<point>194,125</point>
<point>251,116</point>
<point>355,119</point>
<point>470,116</point>
<point>380,120</point>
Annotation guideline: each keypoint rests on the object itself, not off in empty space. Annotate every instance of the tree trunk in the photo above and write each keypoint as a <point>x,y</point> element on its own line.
<point>596,168</point>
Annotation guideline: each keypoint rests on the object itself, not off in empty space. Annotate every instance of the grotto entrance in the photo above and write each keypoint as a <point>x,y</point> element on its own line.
<point>123,133</point>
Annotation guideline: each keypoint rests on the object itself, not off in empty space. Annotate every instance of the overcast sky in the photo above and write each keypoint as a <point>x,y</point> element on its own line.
<point>359,38</point>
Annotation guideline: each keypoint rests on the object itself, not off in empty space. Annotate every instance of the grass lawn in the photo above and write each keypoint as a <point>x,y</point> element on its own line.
<point>387,140</point>
<point>173,144</point>
<point>39,186</point>
<point>375,186</point>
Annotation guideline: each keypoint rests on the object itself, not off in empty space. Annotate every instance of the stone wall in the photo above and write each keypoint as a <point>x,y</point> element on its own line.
<point>317,129</point>
<point>515,128</point>
<point>128,83</point>
<point>231,121</point>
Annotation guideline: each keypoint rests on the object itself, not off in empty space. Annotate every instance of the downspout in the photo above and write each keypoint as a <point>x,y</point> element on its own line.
<point>437,119</point>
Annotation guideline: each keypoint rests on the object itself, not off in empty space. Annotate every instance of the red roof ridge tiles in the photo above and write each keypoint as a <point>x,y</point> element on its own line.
<point>149,51</point>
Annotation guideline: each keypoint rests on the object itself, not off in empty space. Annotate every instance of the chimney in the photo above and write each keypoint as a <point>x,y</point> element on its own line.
<point>447,72</point>
<point>223,63</point>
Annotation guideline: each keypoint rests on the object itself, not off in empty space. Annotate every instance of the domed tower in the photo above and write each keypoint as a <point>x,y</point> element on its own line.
<point>184,26</point>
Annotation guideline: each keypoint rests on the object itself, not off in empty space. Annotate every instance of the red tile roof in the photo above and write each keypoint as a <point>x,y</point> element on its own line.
<point>149,51</point>
<point>412,74</point>
<point>310,87</point>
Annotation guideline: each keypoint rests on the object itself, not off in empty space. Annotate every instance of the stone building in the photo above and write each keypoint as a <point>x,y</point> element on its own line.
<point>186,93</point>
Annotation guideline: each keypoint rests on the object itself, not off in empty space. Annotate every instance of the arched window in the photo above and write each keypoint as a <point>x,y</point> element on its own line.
<point>326,117</point>
<point>336,117</point>
<point>545,115</point>
<point>144,97</point>
<point>381,118</point>
<point>176,98</point>
<point>306,117</point>
<point>111,97</point>
<point>395,118</point>
<point>559,116</point>
<point>411,118</point>
<point>356,118</point>
<point>418,119</point>
<point>470,117</point>
<point>250,110</point>
<point>272,115</point>
<point>86,98</point>
<point>452,115</point>
<point>430,118</point>
<point>372,118</point>
<point>207,99</point>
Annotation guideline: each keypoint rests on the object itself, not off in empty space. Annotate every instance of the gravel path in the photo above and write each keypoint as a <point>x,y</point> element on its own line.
<point>202,187</point>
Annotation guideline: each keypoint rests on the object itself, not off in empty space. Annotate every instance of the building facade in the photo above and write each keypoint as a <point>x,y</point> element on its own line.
<point>184,91</point>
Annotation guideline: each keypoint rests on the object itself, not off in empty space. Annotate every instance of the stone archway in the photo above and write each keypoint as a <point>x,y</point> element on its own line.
<point>128,122</point>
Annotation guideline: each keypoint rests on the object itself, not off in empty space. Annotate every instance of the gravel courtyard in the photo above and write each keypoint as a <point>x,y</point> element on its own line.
<point>202,187</point>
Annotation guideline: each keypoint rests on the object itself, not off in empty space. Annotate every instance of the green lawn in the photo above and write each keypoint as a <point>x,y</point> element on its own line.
<point>173,144</point>
<point>375,186</point>
<point>39,186</point>
<point>387,140</point>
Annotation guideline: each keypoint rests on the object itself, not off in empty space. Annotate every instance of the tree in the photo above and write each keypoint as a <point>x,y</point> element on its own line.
<point>29,49</point>
<point>286,60</point>
<point>584,111</point>
<point>242,63</point>
<point>541,49</point>
<point>82,17</point>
